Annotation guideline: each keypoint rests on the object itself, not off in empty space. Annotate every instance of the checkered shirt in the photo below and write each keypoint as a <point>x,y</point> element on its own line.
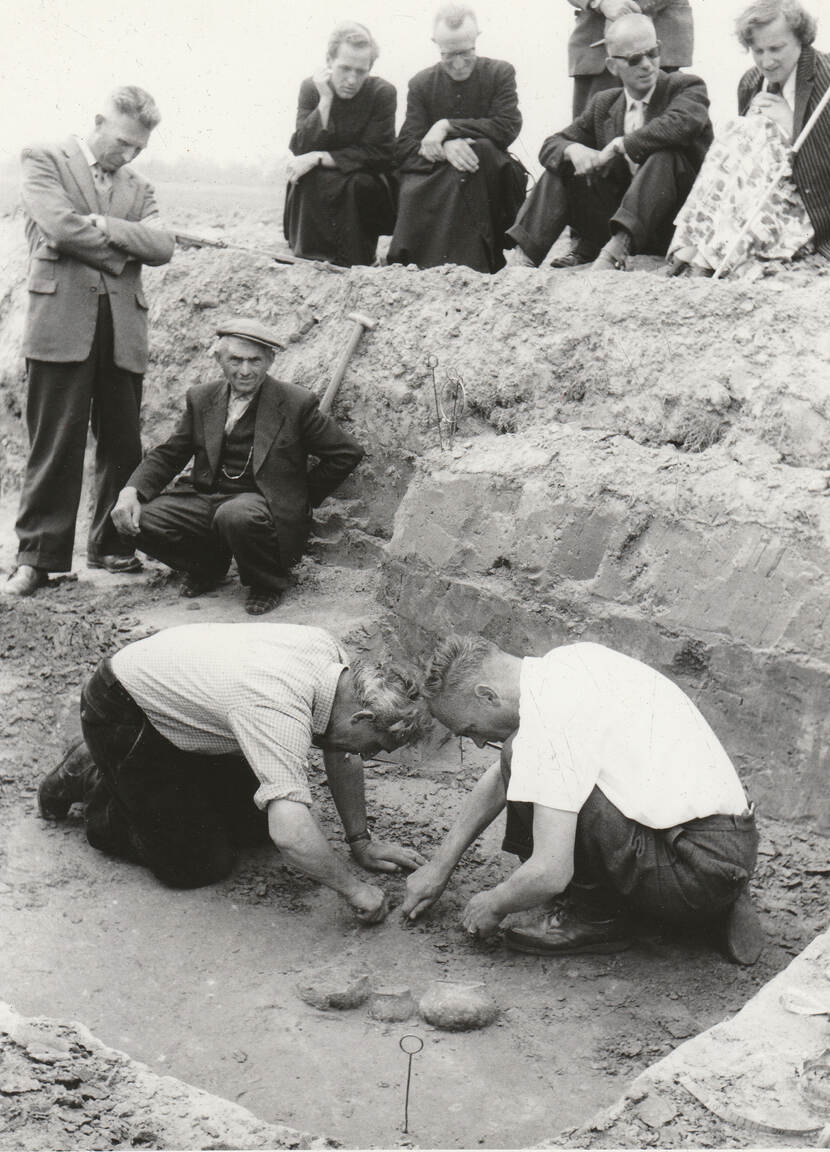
<point>265,690</point>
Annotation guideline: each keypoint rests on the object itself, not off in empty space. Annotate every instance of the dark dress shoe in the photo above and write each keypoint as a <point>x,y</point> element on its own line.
<point>118,564</point>
<point>66,784</point>
<point>578,255</point>
<point>568,931</point>
<point>25,580</point>
<point>743,936</point>
<point>196,584</point>
<point>261,600</point>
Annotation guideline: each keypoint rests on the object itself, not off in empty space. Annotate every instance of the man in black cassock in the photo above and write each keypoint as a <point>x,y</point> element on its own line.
<point>338,200</point>
<point>458,187</point>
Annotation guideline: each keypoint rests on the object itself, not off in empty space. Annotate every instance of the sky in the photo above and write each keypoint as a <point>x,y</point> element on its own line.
<point>225,73</point>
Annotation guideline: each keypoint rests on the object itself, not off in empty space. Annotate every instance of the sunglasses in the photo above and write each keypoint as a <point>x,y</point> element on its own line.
<point>638,57</point>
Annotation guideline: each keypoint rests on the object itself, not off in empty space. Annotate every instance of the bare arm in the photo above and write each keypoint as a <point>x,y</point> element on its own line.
<point>547,873</point>
<point>302,844</point>
<point>482,806</point>
<point>345,775</point>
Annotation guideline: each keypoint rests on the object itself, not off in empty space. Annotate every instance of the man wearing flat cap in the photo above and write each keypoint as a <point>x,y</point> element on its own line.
<point>250,492</point>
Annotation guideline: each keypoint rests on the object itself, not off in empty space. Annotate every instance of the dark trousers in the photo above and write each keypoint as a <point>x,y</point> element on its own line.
<point>685,876</point>
<point>178,813</point>
<point>199,532</point>
<point>645,204</point>
<point>58,406</point>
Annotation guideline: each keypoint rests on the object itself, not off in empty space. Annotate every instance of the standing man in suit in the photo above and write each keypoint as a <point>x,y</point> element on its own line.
<point>91,222</point>
<point>625,166</point>
<point>250,493</point>
<point>338,201</point>
<point>586,57</point>
<point>458,187</point>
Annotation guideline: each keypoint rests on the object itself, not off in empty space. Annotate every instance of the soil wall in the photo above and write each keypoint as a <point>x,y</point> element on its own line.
<point>640,461</point>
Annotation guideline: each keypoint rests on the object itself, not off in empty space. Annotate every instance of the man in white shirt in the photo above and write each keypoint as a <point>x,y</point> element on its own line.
<point>618,792</point>
<point>620,172</point>
<point>199,738</point>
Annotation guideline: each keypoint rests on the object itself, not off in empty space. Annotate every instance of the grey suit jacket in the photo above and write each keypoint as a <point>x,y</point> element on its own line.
<point>68,256</point>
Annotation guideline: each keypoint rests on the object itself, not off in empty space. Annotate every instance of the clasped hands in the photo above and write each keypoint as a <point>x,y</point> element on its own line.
<point>435,147</point>
<point>588,161</point>
<point>774,108</point>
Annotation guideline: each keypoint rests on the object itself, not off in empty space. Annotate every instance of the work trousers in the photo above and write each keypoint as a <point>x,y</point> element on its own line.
<point>180,814</point>
<point>645,204</point>
<point>199,532</point>
<point>61,398</point>
<point>684,876</point>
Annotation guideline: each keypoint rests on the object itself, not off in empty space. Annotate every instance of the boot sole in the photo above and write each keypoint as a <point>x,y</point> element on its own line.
<point>541,949</point>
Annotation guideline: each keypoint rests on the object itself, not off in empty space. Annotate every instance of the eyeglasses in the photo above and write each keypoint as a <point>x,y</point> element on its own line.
<point>466,56</point>
<point>637,57</point>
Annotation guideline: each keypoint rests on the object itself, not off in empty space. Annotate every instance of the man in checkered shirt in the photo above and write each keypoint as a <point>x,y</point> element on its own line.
<point>197,740</point>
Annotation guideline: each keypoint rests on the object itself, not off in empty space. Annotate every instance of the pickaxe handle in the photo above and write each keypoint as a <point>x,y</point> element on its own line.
<point>360,324</point>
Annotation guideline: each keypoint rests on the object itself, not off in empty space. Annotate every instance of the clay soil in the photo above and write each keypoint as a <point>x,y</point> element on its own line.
<point>201,985</point>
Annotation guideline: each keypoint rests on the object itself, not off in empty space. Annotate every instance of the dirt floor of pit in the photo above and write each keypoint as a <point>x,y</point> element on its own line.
<point>201,985</point>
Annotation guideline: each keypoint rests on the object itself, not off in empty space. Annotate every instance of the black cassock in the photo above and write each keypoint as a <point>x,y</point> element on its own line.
<point>451,217</point>
<point>337,214</point>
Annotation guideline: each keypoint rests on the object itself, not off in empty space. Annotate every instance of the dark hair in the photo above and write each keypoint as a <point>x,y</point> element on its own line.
<point>762,12</point>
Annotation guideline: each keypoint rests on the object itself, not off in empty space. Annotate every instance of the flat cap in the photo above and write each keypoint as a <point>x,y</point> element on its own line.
<point>248,328</point>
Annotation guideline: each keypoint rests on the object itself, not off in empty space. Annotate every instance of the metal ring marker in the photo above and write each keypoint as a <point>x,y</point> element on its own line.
<point>410,1052</point>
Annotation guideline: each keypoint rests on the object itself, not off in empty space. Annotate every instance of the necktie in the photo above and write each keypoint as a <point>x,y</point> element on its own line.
<point>774,89</point>
<point>103,185</point>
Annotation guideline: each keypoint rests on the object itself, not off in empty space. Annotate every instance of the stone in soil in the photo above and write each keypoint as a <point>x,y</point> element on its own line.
<point>332,987</point>
<point>456,1007</point>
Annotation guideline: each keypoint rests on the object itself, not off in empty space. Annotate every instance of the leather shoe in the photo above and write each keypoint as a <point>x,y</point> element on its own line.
<point>65,785</point>
<point>261,600</point>
<point>577,256</point>
<point>743,936</point>
<point>25,580</point>
<point>117,564</point>
<point>568,931</point>
<point>196,584</point>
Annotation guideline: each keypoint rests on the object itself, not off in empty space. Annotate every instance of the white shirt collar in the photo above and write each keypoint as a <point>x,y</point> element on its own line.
<point>87,151</point>
<point>630,100</point>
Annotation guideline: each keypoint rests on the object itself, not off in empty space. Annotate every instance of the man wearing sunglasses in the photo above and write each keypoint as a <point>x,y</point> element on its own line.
<point>673,24</point>
<point>620,172</point>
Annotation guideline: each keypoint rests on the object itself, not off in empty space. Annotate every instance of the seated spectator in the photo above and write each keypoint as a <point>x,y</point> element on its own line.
<point>775,100</point>
<point>250,493</point>
<point>458,187</point>
<point>673,25</point>
<point>624,167</point>
<point>338,199</point>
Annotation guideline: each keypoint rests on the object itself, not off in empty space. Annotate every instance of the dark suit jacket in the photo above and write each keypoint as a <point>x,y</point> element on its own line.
<point>677,118</point>
<point>812,163</point>
<point>484,106</point>
<point>672,23</point>
<point>68,256</point>
<point>289,427</point>
<point>360,132</point>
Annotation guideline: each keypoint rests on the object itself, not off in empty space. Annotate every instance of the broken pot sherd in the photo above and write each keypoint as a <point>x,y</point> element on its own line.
<point>391,1005</point>
<point>457,1007</point>
<point>334,988</point>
